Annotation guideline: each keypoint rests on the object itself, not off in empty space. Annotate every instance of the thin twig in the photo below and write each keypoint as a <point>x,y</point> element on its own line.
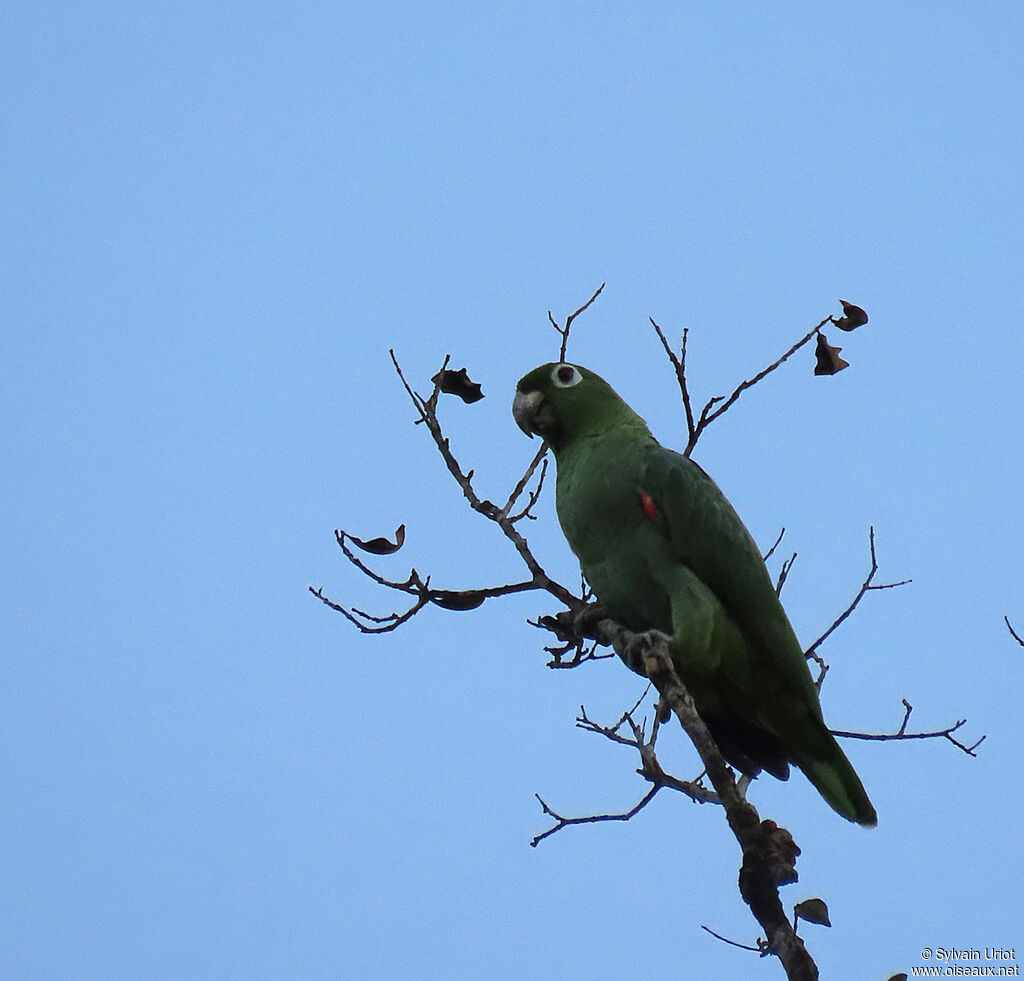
<point>561,822</point>
<point>384,624</point>
<point>732,943</point>
<point>534,495</point>
<point>771,551</point>
<point>865,588</point>
<point>822,668</point>
<point>410,585</point>
<point>679,363</point>
<point>532,498</point>
<point>627,716</point>
<point>901,733</point>
<point>651,770</point>
<point>524,480</point>
<point>1013,633</point>
<point>709,414</point>
<point>784,573</point>
<point>564,331</point>
<point>582,652</point>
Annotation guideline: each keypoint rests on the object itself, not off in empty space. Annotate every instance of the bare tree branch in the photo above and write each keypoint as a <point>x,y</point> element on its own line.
<point>778,541</point>
<point>709,413</point>
<point>679,364</point>
<point>865,588</point>
<point>534,495</point>
<point>464,599</point>
<point>650,770</point>
<point>707,416</point>
<point>366,622</point>
<point>414,585</point>
<point>562,822</point>
<point>581,652</point>
<point>488,509</point>
<point>901,733</point>
<point>564,331</point>
<point>1013,633</point>
<point>732,943</point>
<point>769,852</point>
<point>411,585</point>
<point>784,571</point>
<point>822,668</point>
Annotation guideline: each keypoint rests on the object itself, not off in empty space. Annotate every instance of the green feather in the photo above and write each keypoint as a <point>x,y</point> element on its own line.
<point>664,549</point>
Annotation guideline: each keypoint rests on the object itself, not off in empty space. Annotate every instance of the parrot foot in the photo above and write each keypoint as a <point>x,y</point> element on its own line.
<point>643,653</point>
<point>638,651</point>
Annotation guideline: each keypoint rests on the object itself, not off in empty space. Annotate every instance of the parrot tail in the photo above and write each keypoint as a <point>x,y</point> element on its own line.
<point>836,780</point>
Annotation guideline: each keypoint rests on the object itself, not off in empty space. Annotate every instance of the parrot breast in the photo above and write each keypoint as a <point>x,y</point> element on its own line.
<point>608,524</point>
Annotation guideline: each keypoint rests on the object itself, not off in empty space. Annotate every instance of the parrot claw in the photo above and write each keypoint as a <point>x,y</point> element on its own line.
<point>635,652</point>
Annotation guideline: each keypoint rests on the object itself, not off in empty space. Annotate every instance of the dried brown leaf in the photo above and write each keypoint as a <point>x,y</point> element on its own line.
<point>852,318</point>
<point>458,383</point>
<point>457,599</point>
<point>828,358</point>
<point>813,911</point>
<point>379,546</point>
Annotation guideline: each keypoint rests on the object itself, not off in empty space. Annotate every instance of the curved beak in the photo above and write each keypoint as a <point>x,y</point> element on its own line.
<point>524,410</point>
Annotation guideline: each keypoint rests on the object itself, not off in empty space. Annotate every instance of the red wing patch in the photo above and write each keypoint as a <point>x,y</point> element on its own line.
<point>649,507</point>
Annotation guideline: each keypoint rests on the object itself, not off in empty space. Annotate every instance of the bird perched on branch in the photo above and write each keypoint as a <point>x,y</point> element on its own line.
<point>663,549</point>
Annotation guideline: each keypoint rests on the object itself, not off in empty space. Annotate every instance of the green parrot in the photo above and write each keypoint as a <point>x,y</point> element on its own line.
<point>663,549</point>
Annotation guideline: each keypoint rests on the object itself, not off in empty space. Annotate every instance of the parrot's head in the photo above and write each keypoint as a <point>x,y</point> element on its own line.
<point>561,402</point>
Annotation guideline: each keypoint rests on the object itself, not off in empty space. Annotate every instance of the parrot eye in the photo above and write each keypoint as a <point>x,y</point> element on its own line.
<point>566,375</point>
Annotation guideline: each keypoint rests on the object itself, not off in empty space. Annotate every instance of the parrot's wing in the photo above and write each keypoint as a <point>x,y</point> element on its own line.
<point>706,534</point>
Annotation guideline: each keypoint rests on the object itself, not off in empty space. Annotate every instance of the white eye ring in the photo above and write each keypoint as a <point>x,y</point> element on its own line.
<point>565,375</point>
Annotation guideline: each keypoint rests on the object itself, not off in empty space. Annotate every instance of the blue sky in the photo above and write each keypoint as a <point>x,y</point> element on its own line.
<point>219,219</point>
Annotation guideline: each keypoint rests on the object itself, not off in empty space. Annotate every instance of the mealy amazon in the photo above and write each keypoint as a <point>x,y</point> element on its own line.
<point>663,549</point>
